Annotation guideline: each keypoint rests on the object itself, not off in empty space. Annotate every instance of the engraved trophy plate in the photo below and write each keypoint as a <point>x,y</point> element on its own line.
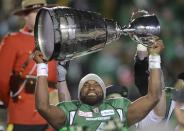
<point>63,33</point>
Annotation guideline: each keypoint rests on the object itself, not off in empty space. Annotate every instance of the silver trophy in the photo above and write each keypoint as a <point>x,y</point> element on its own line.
<point>63,33</point>
<point>144,28</point>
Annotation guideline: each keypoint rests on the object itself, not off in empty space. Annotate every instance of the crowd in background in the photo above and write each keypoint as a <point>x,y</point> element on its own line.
<point>115,63</point>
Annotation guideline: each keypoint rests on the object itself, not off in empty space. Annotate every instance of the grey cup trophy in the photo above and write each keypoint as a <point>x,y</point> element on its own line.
<point>63,33</point>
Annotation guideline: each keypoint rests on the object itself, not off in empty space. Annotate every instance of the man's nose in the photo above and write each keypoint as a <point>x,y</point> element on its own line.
<point>91,87</point>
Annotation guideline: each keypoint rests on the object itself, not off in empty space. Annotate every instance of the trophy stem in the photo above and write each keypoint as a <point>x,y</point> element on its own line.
<point>124,30</point>
<point>127,31</point>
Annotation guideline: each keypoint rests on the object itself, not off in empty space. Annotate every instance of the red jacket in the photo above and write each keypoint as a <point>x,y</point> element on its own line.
<point>14,51</point>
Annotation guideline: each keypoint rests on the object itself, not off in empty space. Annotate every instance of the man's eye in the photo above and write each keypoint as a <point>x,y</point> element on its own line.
<point>86,85</point>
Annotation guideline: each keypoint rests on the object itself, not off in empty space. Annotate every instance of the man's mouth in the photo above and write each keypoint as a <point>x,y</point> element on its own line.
<point>91,94</point>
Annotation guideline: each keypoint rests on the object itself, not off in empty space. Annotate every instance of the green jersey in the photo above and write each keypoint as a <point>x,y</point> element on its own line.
<point>94,118</point>
<point>170,116</point>
<point>169,94</point>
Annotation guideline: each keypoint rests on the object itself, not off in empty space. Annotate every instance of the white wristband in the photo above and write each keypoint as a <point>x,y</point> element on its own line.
<point>154,61</point>
<point>42,69</point>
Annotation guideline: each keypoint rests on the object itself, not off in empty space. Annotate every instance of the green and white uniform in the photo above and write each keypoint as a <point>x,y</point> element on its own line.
<point>170,105</point>
<point>153,119</point>
<point>93,118</point>
<point>171,119</point>
<point>170,116</point>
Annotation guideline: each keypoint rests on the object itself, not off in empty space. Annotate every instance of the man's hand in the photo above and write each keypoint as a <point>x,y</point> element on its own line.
<point>38,57</point>
<point>156,48</point>
<point>63,91</point>
<point>178,96</point>
<point>141,52</point>
<point>42,67</point>
<point>62,70</point>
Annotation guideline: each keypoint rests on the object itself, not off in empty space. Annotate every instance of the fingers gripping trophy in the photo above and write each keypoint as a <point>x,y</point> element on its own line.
<point>63,33</point>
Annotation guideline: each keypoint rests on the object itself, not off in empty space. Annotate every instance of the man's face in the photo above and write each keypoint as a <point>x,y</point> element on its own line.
<point>91,93</point>
<point>30,18</point>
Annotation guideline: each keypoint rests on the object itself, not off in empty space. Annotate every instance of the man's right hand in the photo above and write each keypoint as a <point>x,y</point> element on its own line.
<point>156,48</point>
<point>142,52</point>
<point>62,67</point>
<point>38,57</point>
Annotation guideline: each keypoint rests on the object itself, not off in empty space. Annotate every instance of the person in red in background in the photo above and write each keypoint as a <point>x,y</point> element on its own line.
<point>18,73</point>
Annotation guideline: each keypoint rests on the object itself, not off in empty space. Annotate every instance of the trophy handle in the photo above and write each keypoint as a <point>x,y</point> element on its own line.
<point>138,13</point>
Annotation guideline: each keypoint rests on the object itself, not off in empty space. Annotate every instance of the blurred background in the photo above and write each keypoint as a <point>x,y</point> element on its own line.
<point>115,63</point>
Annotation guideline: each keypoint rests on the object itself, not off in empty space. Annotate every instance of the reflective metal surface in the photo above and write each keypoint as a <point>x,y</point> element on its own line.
<point>63,33</point>
<point>144,28</point>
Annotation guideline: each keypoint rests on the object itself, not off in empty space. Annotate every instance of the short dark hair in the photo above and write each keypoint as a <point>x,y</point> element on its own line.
<point>181,76</point>
<point>122,90</point>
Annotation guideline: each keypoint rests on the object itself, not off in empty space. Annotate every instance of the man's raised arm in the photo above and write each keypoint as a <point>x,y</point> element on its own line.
<point>141,107</point>
<point>55,116</point>
<point>141,79</point>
